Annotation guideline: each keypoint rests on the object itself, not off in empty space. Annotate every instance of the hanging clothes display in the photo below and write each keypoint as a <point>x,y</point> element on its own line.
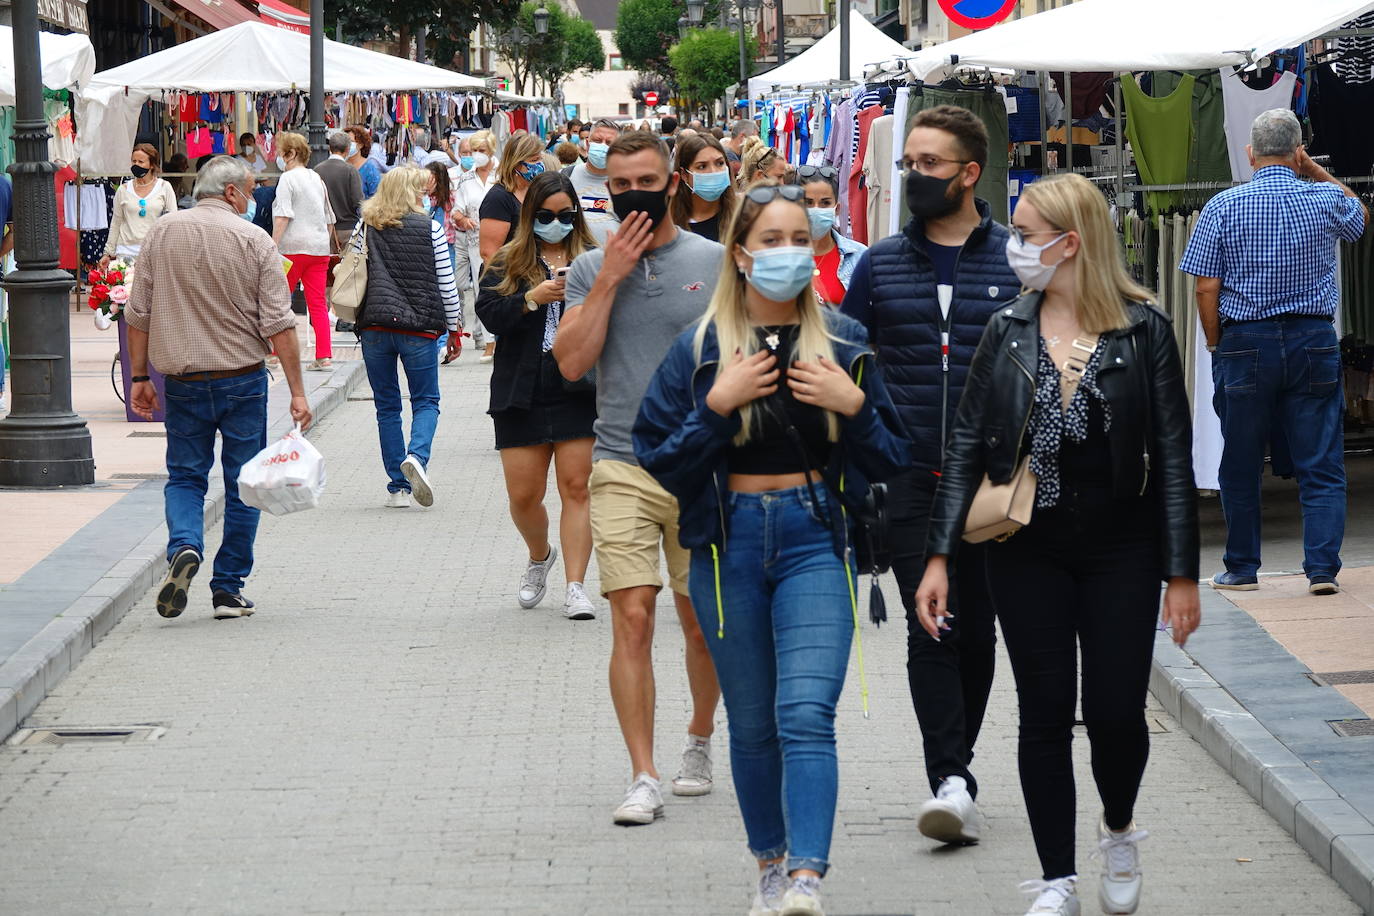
<point>877,176</point>
<point>1356,61</point>
<point>1341,124</point>
<point>1243,105</point>
<point>901,106</point>
<point>991,109</point>
<point>1087,93</point>
<point>858,191</point>
<point>1161,135</point>
<point>839,155</point>
<point>1209,158</point>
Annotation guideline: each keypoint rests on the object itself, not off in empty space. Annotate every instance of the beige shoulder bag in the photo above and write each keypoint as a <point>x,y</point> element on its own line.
<point>1000,510</point>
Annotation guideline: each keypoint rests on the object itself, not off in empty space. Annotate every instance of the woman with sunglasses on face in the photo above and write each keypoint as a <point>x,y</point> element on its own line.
<point>835,253</point>
<point>766,421</point>
<point>522,161</point>
<point>1080,378</point>
<point>137,204</point>
<point>539,418</point>
<point>700,160</point>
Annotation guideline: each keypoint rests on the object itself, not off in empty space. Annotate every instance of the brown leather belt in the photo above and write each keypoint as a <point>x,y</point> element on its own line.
<point>216,374</point>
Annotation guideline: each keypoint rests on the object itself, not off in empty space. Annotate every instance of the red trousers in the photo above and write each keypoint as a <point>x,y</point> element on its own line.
<point>312,272</point>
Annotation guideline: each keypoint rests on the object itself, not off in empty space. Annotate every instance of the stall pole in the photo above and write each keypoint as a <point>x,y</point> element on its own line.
<point>43,443</point>
<point>782,36</point>
<point>1120,144</point>
<point>1044,86</point>
<point>319,149</point>
<point>844,39</point>
<point>1068,119</point>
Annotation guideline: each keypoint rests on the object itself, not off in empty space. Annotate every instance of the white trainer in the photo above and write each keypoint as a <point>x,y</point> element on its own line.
<point>535,581</point>
<point>400,499</point>
<point>577,606</point>
<point>694,776</point>
<point>643,802</point>
<point>1119,891</point>
<point>414,472</point>
<point>803,898</point>
<point>772,888</point>
<point>951,816</point>
<point>1053,898</point>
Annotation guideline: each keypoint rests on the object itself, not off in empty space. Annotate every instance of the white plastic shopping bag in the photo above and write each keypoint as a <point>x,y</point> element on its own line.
<point>285,477</point>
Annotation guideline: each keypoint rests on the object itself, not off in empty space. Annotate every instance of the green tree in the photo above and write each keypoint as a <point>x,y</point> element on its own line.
<point>707,63</point>
<point>448,22</point>
<point>646,29</point>
<point>570,44</point>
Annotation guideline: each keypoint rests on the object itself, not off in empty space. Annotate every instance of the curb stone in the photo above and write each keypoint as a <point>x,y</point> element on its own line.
<point>41,663</point>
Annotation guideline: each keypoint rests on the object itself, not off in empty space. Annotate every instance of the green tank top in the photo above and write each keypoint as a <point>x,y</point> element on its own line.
<point>1161,135</point>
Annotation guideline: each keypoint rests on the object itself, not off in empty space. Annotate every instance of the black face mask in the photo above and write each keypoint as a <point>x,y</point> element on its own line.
<point>138,171</point>
<point>928,197</point>
<point>653,203</point>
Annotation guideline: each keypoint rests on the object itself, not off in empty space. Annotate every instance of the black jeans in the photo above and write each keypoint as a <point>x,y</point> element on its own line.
<point>950,679</point>
<point>1083,576</point>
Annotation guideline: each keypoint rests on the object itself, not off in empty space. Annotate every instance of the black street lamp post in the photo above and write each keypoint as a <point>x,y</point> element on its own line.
<point>43,443</point>
<point>319,148</point>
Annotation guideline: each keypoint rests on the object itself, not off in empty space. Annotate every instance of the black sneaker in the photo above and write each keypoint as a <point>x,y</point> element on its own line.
<point>228,605</point>
<point>171,598</point>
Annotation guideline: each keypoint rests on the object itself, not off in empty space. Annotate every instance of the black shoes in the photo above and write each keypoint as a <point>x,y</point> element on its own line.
<point>228,605</point>
<point>171,598</point>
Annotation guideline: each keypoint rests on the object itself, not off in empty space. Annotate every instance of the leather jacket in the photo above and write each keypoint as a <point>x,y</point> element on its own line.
<point>1151,436</point>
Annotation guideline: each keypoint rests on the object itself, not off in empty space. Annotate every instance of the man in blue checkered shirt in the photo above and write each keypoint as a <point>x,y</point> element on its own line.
<point>1264,255</point>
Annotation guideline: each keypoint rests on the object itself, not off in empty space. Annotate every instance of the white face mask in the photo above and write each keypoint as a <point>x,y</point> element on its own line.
<point>281,164</point>
<point>480,160</point>
<point>1024,259</point>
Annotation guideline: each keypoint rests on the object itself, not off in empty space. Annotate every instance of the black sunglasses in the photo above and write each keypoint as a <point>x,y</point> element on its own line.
<point>824,172</point>
<point>768,193</point>
<point>544,217</point>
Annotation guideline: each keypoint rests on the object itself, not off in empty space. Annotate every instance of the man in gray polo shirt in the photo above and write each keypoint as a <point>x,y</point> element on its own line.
<point>626,303</point>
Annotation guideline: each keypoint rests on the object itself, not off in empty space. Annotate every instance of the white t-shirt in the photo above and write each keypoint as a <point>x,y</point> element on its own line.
<point>595,200</point>
<point>301,197</point>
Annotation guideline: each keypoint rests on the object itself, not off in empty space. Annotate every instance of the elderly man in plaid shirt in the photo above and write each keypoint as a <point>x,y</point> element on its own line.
<point>1265,258</point>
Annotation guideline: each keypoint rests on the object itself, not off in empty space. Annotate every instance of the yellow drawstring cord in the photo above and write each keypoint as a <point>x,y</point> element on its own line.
<point>720,607</point>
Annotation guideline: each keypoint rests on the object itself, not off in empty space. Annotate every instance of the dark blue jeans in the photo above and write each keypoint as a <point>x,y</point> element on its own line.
<point>420,360</point>
<point>1284,371</point>
<point>236,408</point>
<point>781,665</point>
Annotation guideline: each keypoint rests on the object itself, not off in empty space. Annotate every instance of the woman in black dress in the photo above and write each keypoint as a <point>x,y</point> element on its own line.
<point>539,417</point>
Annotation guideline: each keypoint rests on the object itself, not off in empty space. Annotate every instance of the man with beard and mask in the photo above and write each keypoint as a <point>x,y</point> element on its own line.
<point>589,180</point>
<point>625,305</point>
<point>925,296</point>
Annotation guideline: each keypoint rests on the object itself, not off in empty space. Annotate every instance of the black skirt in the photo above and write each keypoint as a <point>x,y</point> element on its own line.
<point>554,415</point>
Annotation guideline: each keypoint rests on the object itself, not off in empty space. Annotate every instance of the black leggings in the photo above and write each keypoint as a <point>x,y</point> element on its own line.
<point>1082,576</point>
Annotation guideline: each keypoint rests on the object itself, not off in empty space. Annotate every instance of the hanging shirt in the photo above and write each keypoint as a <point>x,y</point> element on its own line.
<point>1243,105</point>
<point>1337,129</point>
<point>1161,135</point>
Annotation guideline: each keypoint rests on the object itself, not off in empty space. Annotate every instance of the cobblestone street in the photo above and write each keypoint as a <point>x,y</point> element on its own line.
<point>392,734</point>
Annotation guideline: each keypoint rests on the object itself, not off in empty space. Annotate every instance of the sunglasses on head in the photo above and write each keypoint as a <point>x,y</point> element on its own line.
<point>544,217</point>
<point>770,192</point>
<point>824,172</point>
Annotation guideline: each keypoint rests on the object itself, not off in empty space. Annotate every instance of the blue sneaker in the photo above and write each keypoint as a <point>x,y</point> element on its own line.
<point>1323,585</point>
<point>1235,582</point>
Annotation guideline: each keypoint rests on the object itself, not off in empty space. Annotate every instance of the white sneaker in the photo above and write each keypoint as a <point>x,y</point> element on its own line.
<point>951,816</point>
<point>772,888</point>
<point>577,606</point>
<point>414,472</point>
<point>1053,898</point>
<point>535,582</point>
<point>694,776</point>
<point>398,500</point>
<point>1119,891</point>
<point>803,898</point>
<point>643,802</point>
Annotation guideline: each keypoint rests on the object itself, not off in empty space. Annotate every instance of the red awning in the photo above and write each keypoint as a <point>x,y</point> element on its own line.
<point>219,13</point>
<point>283,15</point>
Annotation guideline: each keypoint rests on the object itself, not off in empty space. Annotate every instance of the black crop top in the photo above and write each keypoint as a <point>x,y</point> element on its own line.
<point>771,449</point>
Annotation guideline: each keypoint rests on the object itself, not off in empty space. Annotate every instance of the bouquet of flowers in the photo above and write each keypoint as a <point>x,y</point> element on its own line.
<point>110,290</point>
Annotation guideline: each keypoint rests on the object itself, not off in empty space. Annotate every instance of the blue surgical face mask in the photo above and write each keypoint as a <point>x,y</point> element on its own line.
<point>780,274</point>
<point>596,154</point>
<point>466,162</point>
<point>553,232</point>
<point>822,220</point>
<point>252,210</point>
<point>352,150</point>
<point>530,170</point>
<point>710,185</point>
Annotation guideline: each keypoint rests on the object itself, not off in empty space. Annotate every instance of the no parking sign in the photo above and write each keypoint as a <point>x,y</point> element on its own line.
<point>977,14</point>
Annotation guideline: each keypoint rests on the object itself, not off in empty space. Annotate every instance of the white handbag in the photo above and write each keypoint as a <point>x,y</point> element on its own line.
<point>350,283</point>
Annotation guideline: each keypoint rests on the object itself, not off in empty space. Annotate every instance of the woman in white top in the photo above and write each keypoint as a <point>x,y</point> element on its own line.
<point>303,228</point>
<point>476,177</point>
<point>136,204</point>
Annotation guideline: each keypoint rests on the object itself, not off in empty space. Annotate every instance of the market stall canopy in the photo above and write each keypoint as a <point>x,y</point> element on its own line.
<point>250,57</point>
<point>68,61</point>
<point>1098,35</point>
<point>821,61</point>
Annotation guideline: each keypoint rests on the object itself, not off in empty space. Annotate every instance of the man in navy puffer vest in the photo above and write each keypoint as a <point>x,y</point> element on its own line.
<point>925,296</point>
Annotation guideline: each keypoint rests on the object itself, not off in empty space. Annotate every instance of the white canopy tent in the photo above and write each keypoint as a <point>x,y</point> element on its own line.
<point>68,62</point>
<point>1120,35</point>
<point>821,61</point>
<point>250,57</point>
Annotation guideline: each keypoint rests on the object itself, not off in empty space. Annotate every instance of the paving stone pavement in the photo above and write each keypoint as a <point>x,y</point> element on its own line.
<point>392,734</point>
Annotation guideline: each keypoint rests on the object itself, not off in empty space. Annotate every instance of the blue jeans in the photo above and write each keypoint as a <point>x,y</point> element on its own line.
<point>781,665</point>
<point>237,409</point>
<point>1284,371</point>
<point>421,363</point>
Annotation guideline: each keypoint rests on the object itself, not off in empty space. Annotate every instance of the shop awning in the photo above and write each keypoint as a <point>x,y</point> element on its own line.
<point>1097,35</point>
<point>68,61</point>
<point>221,14</point>
<point>821,61</point>
<point>284,16</point>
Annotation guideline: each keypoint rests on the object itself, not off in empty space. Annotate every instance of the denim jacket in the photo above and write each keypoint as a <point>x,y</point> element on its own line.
<point>849,256</point>
<point>684,444</point>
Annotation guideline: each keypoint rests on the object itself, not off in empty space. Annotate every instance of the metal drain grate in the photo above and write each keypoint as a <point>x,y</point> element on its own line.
<point>148,434</point>
<point>140,475</point>
<point>82,734</point>
<point>1352,728</point>
<point>1332,678</point>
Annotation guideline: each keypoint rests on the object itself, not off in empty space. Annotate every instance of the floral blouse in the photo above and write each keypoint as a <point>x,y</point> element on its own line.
<point>1050,424</point>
